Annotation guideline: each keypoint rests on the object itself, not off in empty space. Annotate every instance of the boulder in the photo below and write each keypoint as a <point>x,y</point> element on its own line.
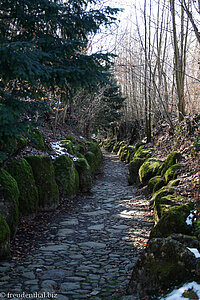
<point>171,172</point>
<point>155,184</point>
<point>165,263</point>
<point>171,160</point>
<point>68,145</point>
<point>66,175</point>
<point>4,238</point>
<point>94,148</point>
<point>84,171</point>
<point>133,168</point>
<point>44,176</point>
<point>9,204</point>
<point>36,139</point>
<point>123,152</point>
<point>148,170</point>
<point>142,152</point>
<point>130,153</point>
<point>173,221</point>
<point>23,174</point>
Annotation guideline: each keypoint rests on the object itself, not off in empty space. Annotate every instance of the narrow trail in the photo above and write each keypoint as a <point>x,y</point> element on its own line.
<point>93,247</point>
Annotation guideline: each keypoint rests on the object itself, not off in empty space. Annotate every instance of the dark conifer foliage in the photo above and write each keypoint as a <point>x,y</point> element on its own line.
<point>43,44</point>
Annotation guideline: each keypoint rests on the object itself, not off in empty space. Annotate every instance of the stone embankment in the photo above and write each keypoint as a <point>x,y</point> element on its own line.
<point>93,248</point>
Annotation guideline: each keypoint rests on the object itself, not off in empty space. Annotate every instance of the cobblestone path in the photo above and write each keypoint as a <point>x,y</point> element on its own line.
<point>93,249</point>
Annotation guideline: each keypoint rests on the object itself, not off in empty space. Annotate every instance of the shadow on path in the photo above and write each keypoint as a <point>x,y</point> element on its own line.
<point>93,247</point>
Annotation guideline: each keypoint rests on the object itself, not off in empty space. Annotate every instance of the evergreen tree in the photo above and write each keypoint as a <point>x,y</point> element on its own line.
<point>43,44</point>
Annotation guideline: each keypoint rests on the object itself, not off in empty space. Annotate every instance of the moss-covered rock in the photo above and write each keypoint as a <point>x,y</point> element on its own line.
<point>143,153</point>
<point>82,147</point>
<point>9,195</point>
<point>130,153</point>
<point>37,139</point>
<point>69,146</point>
<point>165,263</point>
<point>148,170</point>
<point>138,145</point>
<point>171,172</point>
<point>44,176</point>
<point>173,183</point>
<point>116,147</point>
<point>66,176</point>
<point>133,168</point>
<point>84,171</point>
<point>4,238</point>
<point>171,160</point>
<point>91,159</point>
<point>173,221</point>
<point>163,205</point>
<point>23,174</point>
<point>123,152</point>
<point>155,184</point>
<point>94,148</point>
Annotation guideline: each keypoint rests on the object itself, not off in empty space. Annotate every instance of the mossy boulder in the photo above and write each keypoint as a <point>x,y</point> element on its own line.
<point>9,204</point>
<point>148,170</point>
<point>130,153</point>
<point>85,177</point>
<point>173,158</point>
<point>162,205</point>
<point>138,145</point>
<point>44,176</point>
<point>69,146</point>
<point>116,147</point>
<point>4,238</point>
<point>94,148</point>
<point>173,183</point>
<point>171,172</point>
<point>66,176</point>
<point>142,152</point>
<point>37,139</point>
<point>23,174</point>
<point>155,184</point>
<point>123,152</point>
<point>91,159</point>
<point>165,263</point>
<point>173,221</point>
<point>133,168</point>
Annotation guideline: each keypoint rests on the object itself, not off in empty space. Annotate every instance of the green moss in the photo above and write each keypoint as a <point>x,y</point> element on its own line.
<point>84,171</point>
<point>82,147</point>
<point>66,176</point>
<point>116,147</point>
<point>91,159</point>
<point>163,205</point>
<point>148,170</point>
<point>71,138</point>
<point>94,148</point>
<point>133,168</point>
<point>130,153</point>
<point>173,221</point>
<point>21,143</point>
<point>123,152</point>
<point>143,153</point>
<point>155,184</point>
<point>138,145</point>
<point>171,172</point>
<point>23,174</point>
<point>44,176</point>
<point>4,238</point>
<point>37,139</point>
<point>9,195</point>
<point>171,159</point>
<point>69,146</point>
<point>173,183</point>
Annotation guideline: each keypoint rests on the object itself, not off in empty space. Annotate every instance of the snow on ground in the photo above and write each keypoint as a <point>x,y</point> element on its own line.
<point>195,252</point>
<point>177,293</point>
<point>190,218</point>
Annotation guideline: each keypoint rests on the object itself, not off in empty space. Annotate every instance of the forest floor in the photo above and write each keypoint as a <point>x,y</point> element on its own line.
<point>86,249</point>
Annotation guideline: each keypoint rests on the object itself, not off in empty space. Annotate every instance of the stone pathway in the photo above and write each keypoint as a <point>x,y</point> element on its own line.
<point>93,248</point>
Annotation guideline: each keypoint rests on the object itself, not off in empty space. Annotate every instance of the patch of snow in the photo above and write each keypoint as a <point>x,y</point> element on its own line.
<point>177,293</point>
<point>190,218</point>
<point>195,252</point>
<point>81,137</point>
<point>75,158</point>
<point>58,149</point>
